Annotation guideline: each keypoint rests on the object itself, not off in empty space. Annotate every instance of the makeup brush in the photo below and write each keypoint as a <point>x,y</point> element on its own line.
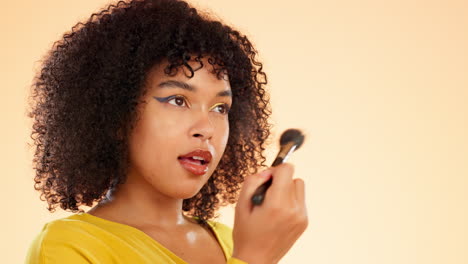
<point>290,140</point>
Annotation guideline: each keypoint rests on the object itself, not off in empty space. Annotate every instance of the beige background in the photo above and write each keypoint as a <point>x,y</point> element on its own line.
<point>380,87</point>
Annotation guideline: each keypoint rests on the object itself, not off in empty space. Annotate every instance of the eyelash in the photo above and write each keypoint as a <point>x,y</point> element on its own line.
<point>175,97</point>
<point>226,108</point>
<point>172,97</point>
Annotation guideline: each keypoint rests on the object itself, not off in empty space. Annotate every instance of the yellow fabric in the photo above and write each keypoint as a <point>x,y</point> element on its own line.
<point>85,238</point>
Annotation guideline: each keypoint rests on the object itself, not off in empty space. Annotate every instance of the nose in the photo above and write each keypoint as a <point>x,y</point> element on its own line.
<point>203,127</point>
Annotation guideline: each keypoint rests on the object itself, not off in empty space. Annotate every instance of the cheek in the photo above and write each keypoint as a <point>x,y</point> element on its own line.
<point>226,134</point>
<point>223,136</point>
<point>153,141</point>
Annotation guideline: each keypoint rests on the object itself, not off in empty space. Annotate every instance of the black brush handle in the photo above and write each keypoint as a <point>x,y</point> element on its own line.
<point>259,194</point>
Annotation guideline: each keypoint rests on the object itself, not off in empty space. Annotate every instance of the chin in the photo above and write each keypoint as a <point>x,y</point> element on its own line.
<point>185,193</point>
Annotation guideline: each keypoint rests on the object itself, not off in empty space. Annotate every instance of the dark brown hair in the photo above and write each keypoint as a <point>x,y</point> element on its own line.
<point>91,81</point>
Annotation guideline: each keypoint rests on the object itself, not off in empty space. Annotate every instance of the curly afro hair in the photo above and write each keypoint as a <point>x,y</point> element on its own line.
<point>91,81</point>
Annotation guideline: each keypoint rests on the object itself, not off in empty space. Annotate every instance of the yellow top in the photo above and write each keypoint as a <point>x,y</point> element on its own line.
<point>85,238</point>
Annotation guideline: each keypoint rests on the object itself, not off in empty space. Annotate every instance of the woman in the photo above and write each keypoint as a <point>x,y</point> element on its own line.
<point>158,113</point>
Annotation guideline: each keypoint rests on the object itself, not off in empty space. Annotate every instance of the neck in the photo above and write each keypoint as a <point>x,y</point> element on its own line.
<point>137,203</point>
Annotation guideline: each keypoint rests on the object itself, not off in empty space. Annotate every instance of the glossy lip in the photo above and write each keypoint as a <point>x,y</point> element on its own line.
<point>196,168</point>
<point>205,154</point>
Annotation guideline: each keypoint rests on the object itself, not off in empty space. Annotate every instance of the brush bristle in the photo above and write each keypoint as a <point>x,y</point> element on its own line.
<point>294,135</point>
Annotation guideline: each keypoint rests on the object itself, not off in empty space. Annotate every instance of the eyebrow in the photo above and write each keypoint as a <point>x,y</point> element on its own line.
<point>188,87</point>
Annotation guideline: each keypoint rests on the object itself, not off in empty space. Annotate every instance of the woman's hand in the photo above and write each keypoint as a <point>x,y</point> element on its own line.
<point>263,234</point>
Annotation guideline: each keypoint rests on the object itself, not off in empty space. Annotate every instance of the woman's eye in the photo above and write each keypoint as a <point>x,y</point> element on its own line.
<point>222,108</point>
<point>177,101</point>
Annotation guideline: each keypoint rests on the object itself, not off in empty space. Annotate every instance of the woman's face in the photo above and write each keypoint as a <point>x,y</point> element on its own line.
<point>181,132</point>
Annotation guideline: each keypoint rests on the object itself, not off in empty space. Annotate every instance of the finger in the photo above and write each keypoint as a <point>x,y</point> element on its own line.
<point>282,181</point>
<point>299,187</point>
<point>300,198</point>
<point>251,183</point>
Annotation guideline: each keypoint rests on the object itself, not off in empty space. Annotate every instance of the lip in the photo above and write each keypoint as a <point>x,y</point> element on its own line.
<point>205,154</point>
<point>194,166</point>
